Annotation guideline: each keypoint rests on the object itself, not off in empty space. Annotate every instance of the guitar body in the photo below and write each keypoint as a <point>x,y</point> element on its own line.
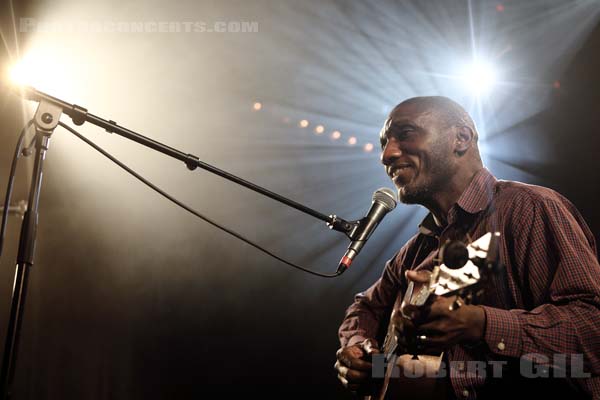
<point>413,379</point>
<point>414,376</point>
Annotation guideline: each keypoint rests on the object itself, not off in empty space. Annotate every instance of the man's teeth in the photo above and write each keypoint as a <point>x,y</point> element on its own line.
<point>397,171</point>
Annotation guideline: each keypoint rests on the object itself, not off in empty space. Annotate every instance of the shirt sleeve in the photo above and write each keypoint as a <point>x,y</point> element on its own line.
<point>553,258</point>
<point>363,317</point>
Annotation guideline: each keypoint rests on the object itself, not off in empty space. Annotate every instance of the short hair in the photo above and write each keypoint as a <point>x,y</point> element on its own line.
<point>449,111</point>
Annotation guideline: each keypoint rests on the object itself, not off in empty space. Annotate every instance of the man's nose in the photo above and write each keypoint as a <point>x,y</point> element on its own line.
<point>391,152</point>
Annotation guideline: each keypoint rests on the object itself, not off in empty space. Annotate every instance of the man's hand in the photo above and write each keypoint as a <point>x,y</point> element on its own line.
<point>352,366</point>
<point>439,324</point>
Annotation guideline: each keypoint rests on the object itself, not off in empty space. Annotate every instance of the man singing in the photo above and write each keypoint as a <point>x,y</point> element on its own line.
<point>548,304</point>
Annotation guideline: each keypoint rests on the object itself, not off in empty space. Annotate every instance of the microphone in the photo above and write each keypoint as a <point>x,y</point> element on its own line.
<point>384,201</point>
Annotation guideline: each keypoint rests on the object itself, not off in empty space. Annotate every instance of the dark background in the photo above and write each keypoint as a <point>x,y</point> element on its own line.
<point>133,298</point>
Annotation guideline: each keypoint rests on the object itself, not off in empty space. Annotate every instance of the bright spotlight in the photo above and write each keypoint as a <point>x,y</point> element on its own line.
<point>480,77</point>
<point>18,74</point>
<point>43,71</point>
<point>28,71</point>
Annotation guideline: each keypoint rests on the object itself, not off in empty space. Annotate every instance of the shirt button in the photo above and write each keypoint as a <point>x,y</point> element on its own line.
<point>465,393</point>
<point>501,346</point>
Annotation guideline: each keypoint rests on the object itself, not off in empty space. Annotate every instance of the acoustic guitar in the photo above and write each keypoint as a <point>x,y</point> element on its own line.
<point>464,272</point>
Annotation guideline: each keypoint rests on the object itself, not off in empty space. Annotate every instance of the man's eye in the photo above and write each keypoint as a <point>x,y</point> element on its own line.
<point>404,133</point>
<point>398,134</point>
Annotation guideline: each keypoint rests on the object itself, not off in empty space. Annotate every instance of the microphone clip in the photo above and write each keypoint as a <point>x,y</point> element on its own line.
<point>338,224</point>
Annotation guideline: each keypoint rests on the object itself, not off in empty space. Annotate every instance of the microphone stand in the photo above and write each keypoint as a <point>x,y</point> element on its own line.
<point>79,115</point>
<point>18,209</point>
<point>46,119</point>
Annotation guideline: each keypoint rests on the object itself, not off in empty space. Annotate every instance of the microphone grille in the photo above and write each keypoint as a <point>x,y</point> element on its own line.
<point>385,196</point>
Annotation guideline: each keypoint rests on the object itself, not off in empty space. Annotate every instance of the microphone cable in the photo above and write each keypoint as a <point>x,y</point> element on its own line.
<point>188,208</point>
<point>11,181</point>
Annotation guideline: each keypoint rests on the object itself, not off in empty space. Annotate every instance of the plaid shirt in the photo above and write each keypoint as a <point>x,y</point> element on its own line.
<point>548,303</point>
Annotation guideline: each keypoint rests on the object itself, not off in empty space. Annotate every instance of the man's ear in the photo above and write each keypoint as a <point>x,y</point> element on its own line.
<point>463,139</point>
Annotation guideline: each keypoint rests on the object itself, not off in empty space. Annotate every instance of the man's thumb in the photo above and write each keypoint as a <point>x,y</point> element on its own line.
<point>418,276</point>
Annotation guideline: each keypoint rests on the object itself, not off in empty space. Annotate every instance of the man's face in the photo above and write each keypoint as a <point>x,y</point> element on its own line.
<point>416,153</point>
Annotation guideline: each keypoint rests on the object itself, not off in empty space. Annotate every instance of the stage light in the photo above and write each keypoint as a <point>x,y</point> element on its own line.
<point>335,135</point>
<point>368,147</point>
<point>34,70</point>
<point>480,77</point>
<point>319,129</point>
<point>45,71</point>
<point>303,123</point>
<point>18,74</point>
<point>257,106</point>
<point>352,140</point>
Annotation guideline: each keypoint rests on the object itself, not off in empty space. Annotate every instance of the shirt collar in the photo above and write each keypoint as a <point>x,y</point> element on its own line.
<point>475,198</point>
<point>478,195</point>
<point>428,227</point>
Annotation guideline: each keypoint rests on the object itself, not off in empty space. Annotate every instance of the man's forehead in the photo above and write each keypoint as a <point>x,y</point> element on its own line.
<point>405,114</point>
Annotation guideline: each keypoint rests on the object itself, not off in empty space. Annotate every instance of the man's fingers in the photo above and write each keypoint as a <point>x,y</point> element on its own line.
<point>438,308</point>
<point>441,306</point>
<point>434,341</point>
<point>351,358</point>
<point>435,327</point>
<point>420,314</point>
<point>369,347</point>
<point>343,380</point>
<point>357,364</point>
<point>352,375</point>
<point>350,379</point>
<point>418,276</point>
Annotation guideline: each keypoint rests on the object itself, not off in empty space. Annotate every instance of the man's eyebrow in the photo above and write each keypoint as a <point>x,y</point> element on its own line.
<point>393,127</point>
<point>402,124</point>
<point>396,126</point>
